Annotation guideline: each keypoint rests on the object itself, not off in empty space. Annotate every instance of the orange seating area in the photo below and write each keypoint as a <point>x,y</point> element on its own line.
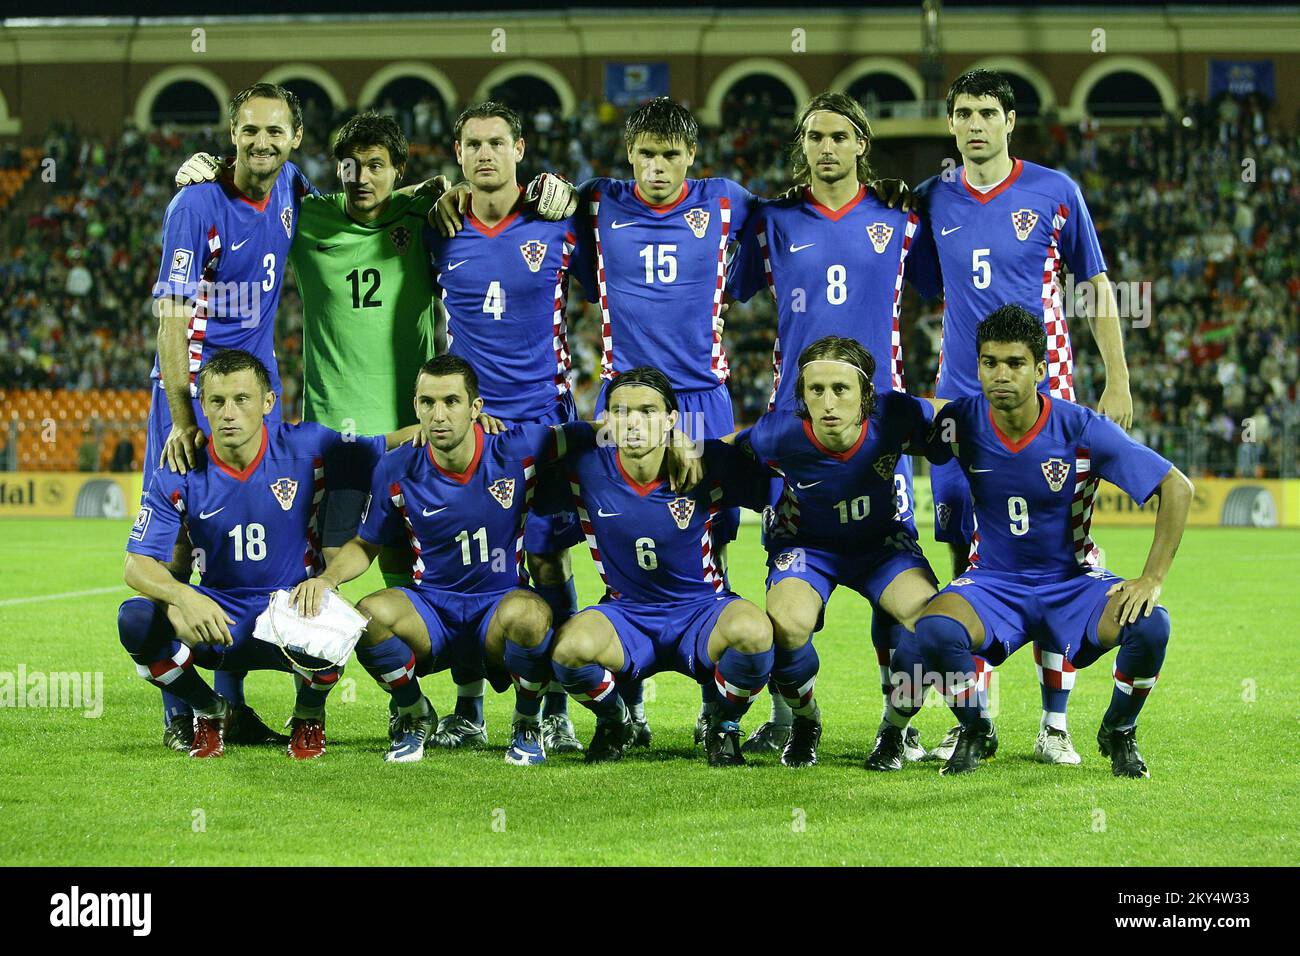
<point>52,426</point>
<point>13,180</point>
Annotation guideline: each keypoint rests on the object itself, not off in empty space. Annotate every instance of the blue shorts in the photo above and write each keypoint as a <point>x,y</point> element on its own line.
<point>954,518</point>
<point>665,637</point>
<point>867,572</point>
<point>554,533</point>
<point>160,425</point>
<point>247,653</point>
<point>458,625</point>
<point>1060,616</point>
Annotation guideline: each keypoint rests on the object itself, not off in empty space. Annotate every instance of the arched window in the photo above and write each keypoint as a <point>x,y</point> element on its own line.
<point>526,95</point>
<point>757,96</point>
<point>1124,94</point>
<point>879,92</point>
<point>187,103</point>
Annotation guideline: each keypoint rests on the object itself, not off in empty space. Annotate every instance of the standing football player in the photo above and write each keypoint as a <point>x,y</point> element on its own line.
<point>667,604</point>
<point>833,258</point>
<point>1033,463</point>
<point>998,231</point>
<point>224,248</point>
<point>249,503</point>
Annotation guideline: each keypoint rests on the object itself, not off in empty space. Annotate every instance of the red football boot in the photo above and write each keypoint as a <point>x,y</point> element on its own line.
<point>210,736</point>
<point>307,739</point>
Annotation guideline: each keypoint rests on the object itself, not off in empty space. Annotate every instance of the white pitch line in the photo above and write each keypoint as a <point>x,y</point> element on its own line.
<point>65,594</point>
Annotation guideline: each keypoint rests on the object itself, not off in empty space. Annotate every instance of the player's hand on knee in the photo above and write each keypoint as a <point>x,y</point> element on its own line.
<point>894,192</point>
<point>1138,596</point>
<point>181,450</point>
<point>448,213</point>
<point>199,168</point>
<point>552,196</point>
<point>493,426</point>
<point>1117,405</point>
<point>205,619</point>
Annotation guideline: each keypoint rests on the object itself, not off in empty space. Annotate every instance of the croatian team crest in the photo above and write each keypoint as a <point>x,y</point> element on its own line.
<point>885,466</point>
<point>1055,471</point>
<point>1024,220</point>
<point>880,233</point>
<point>534,251</point>
<point>401,238</point>
<point>682,510</point>
<point>698,220</point>
<point>285,490</point>
<point>785,559</point>
<point>503,490</point>
<point>286,220</point>
<point>942,514</point>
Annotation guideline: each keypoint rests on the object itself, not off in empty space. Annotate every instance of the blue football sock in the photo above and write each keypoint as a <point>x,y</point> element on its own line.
<point>1137,665</point>
<point>562,599</point>
<point>593,686</point>
<point>392,664</point>
<point>885,635</point>
<point>469,700</point>
<point>907,680</point>
<point>945,647</point>
<point>230,685</point>
<point>530,671</point>
<point>739,678</point>
<point>794,672</point>
<point>165,662</point>
<point>633,694</point>
<point>313,688</point>
<point>1055,680</point>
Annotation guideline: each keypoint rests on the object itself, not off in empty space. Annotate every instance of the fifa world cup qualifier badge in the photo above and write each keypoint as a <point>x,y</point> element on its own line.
<point>682,509</point>
<point>285,490</point>
<point>1055,470</point>
<point>698,220</point>
<point>503,490</point>
<point>534,253</point>
<point>880,233</point>
<point>1024,221</point>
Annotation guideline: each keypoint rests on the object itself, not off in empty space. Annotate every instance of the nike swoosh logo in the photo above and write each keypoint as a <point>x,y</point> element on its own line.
<point>601,512</point>
<point>944,232</point>
<point>801,485</point>
<point>209,514</point>
<point>322,247</point>
<point>456,265</point>
<point>794,248</point>
<point>430,514</point>
<point>237,245</point>
<point>620,225</point>
<point>980,471</point>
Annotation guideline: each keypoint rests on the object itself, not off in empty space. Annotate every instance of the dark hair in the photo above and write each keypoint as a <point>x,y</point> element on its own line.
<point>1012,323</point>
<point>840,349</point>
<point>663,118</point>
<point>271,92</point>
<point>983,83</point>
<point>486,110</point>
<point>448,364</point>
<point>650,377</point>
<point>845,106</point>
<point>230,361</point>
<point>369,129</point>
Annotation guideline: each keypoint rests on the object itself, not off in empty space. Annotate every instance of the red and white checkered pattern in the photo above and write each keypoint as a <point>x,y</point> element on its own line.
<point>530,690</point>
<point>798,696</point>
<point>163,672</point>
<point>584,519</point>
<point>1053,669</point>
<point>597,693</point>
<point>196,329</point>
<point>606,328</point>
<point>320,680</point>
<point>732,692</point>
<point>712,572</point>
<point>1134,686</point>
<point>761,230</point>
<point>895,335</point>
<point>785,513</point>
<point>398,678</point>
<point>1060,358</point>
<point>969,690</point>
<point>399,502</point>
<point>559,328</point>
<point>1085,489</point>
<point>530,486</point>
<point>718,361</point>
<point>314,559</point>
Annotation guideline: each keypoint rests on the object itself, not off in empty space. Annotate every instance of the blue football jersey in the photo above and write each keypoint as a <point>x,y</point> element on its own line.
<point>226,254</point>
<point>839,501</point>
<point>650,544</point>
<point>1003,246</point>
<point>1033,497</point>
<point>466,530</point>
<point>256,529</point>
<point>504,290</point>
<point>833,272</point>
<point>658,273</point>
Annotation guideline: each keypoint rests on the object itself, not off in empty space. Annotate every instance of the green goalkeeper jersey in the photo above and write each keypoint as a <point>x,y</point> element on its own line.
<point>368,312</point>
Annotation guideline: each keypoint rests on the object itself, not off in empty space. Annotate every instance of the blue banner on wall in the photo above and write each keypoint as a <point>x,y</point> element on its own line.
<point>630,83</point>
<point>1242,77</point>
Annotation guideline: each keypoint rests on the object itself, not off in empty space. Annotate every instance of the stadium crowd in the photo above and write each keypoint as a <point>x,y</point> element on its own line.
<point>1198,214</point>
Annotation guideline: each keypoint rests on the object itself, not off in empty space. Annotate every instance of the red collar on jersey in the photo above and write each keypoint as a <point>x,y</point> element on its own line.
<point>252,465</point>
<point>665,207</point>
<point>837,455</point>
<point>462,477</point>
<point>228,184</point>
<point>1015,446</point>
<point>635,485</point>
<point>493,231</point>
<point>835,215</point>
<point>1016,168</point>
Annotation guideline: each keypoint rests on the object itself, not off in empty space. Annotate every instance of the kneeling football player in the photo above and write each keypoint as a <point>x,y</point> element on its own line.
<point>250,508</point>
<point>836,522</point>
<point>461,501</point>
<point>1033,463</point>
<point>667,605</point>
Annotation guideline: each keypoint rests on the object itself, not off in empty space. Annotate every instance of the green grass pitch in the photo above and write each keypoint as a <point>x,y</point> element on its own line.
<point>1218,732</point>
